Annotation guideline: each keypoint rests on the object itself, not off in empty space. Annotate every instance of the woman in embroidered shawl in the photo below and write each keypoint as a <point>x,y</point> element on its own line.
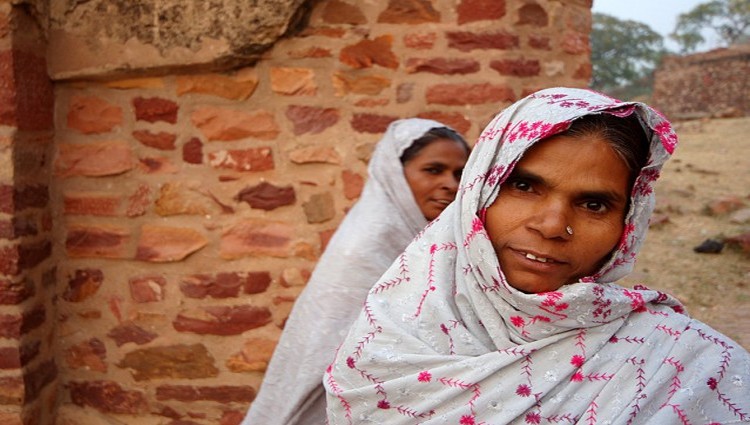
<point>413,176</point>
<point>506,308</point>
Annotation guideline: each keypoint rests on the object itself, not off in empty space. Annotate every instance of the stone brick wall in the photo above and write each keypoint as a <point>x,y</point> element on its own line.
<point>28,372</point>
<point>186,210</point>
<point>715,83</point>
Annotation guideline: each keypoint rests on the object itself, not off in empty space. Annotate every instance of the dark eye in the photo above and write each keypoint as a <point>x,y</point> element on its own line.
<point>457,174</point>
<point>521,185</point>
<point>433,170</point>
<point>595,206</point>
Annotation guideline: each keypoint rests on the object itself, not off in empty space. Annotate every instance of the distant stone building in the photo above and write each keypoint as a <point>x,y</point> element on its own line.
<point>171,170</point>
<point>715,83</point>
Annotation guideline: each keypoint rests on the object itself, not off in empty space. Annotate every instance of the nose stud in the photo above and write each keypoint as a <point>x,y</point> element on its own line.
<point>569,230</point>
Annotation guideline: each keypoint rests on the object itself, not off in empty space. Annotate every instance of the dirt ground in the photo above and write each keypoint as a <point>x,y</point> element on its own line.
<point>712,163</point>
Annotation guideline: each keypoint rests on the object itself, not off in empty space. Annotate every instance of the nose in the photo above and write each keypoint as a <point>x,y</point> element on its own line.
<point>551,220</point>
<point>450,182</point>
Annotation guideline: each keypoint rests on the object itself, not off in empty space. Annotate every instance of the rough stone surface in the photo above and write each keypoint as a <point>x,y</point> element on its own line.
<point>409,12</point>
<point>237,87</point>
<point>94,159</point>
<point>266,196</point>
<point>339,12</point>
<point>311,119</point>
<point>469,94</point>
<point>532,14</point>
<point>442,66</point>
<point>315,154</point>
<point>353,184</point>
<point>420,41</point>
<point>222,394</point>
<point>90,204</point>
<point>244,160</point>
<point>192,151</point>
<point>12,293</point>
<point>99,241</point>
<point>222,320</point>
<point>139,201</point>
<point>372,85</point>
<point>176,199</point>
<point>93,115</point>
<point>155,109</point>
<point>146,289</point>
<point>480,10</point>
<point>130,332</point>
<point>517,67</point>
<point>174,361</point>
<point>90,355</point>
<point>221,31</point>
<point>371,123</point>
<point>227,124</point>
<point>83,284</point>
<point>256,238</point>
<point>368,53</point>
<point>293,81</point>
<point>575,43</point>
<point>319,208</point>
<point>468,41</point>
<point>161,140</point>
<point>160,244</point>
<point>107,396</point>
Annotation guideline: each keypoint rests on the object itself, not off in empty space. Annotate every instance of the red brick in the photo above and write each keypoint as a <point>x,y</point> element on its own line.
<point>33,196</point>
<point>293,81</point>
<point>480,10</point>
<point>311,119</point>
<point>467,41</point>
<point>138,201</point>
<point>517,67</point>
<point>368,53</point>
<point>161,140</point>
<point>583,72</point>
<point>225,285</point>
<point>104,242</point>
<point>266,196</point>
<point>338,12</point>
<point>223,394</point>
<point>161,244</point>
<point>312,52</point>
<point>90,204</point>
<point>11,390</point>
<point>145,289</point>
<point>323,32</point>
<point>34,92</point>
<point>237,87</point>
<point>174,361</point>
<point>93,115</point>
<point>469,94</point>
<point>575,43</point>
<point>222,124</point>
<point>89,355</point>
<point>232,417</point>
<point>12,293</point>
<point>532,14</point>
<point>404,92</point>
<point>15,357</point>
<point>94,159</point>
<point>256,238</point>
<point>107,397</point>
<point>130,332</point>
<point>409,12</point>
<point>371,123</point>
<point>37,378</point>
<point>442,66</point>
<point>192,151</point>
<point>155,109</point>
<point>9,259</point>
<point>256,282</point>
<point>420,41</point>
<point>353,184</point>
<point>372,85</point>
<point>315,154</point>
<point>454,120</point>
<point>33,318</point>
<point>83,284</point>
<point>223,320</point>
<point>539,42</point>
<point>157,165</point>
<point>8,90</point>
<point>7,205</point>
<point>253,159</point>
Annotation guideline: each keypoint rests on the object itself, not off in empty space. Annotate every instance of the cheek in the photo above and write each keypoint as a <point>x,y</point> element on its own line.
<point>599,244</point>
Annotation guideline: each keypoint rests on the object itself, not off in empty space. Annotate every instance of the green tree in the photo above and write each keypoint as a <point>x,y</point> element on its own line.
<point>623,54</point>
<point>728,19</point>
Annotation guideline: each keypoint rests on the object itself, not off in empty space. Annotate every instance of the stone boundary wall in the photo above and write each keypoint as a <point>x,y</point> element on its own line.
<point>715,83</point>
<point>173,219</point>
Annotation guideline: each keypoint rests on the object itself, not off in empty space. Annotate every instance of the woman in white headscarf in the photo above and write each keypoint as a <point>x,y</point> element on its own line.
<point>506,309</point>
<point>413,176</point>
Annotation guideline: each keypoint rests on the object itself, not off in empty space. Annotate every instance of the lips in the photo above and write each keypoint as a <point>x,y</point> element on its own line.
<point>539,258</point>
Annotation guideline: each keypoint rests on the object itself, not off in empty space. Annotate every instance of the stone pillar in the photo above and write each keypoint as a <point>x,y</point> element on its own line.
<point>28,372</point>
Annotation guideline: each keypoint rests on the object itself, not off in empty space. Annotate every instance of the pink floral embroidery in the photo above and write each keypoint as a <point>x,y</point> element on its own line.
<point>350,362</point>
<point>667,136</point>
<point>523,390</point>
<point>517,321</point>
<point>533,418</point>
<point>467,420</point>
<point>577,360</point>
<point>577,377</point>
<point>383,404</point>
<point>424,376</point>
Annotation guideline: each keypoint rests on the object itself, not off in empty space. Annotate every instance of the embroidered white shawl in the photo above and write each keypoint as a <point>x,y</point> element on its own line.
<point>443,339</point>
<point>374,232</point>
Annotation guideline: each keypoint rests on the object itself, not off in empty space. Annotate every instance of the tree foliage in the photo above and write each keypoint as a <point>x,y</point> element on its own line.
<point>623,52</point>
<point>728,19</point>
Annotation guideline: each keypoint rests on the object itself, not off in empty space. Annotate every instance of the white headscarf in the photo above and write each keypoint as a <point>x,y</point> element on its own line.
<point>375,231</point>
<point>444,339</point>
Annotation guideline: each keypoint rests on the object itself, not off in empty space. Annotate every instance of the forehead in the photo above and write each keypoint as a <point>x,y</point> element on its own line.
<point>442,150</point>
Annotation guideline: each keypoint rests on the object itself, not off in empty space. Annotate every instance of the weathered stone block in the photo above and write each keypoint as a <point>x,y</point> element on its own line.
<point>315,154</point>
<point>409,12</point>
<point>454,120</point>
<point>368,53</point>
<point>83,284</point>
<point>155,109</point>
<point>371,123</point>
<point>371,85</point>
<point>94,159</point>
<point>319,208</point>
<point>575,43</point>
<point>221,124</point>
<point>90,355</point>
<point>145,289</point>
<point>256,238</point>
<point>238,87</point>
<point>532,14</point>
<point>11,390</point>
<point>138,201</point>
<point>311,119</point>
<point>420,41</point>
<point>222,320</point>
<point>130,332</point>
<point>192,151</point>
<point>539,42</point>
<point>161,244</point>
<point>175,199</point>
<point>161,140</point>
<point>171,362</point>
<point>517,67</point>
<point>12,293</point>
<point>353,184</point>
<point>80,203</point>
<point>96,241</point>
<point>157,165</point>
<point>107,397</point>
<point>253,159</point>
<point>266,196</point>
<point>467,41</point>
<point>339,12</point>
<point>442,66</point>
<point>293,81</point>
<point>93,115</point>
<point>480,10</point>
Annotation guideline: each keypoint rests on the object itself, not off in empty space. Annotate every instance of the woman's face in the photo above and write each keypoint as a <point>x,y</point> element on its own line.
<point>559,182</point>
<point>433,175</point>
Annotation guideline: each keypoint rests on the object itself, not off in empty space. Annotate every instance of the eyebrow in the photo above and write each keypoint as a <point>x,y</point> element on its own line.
<point>605,195</point>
